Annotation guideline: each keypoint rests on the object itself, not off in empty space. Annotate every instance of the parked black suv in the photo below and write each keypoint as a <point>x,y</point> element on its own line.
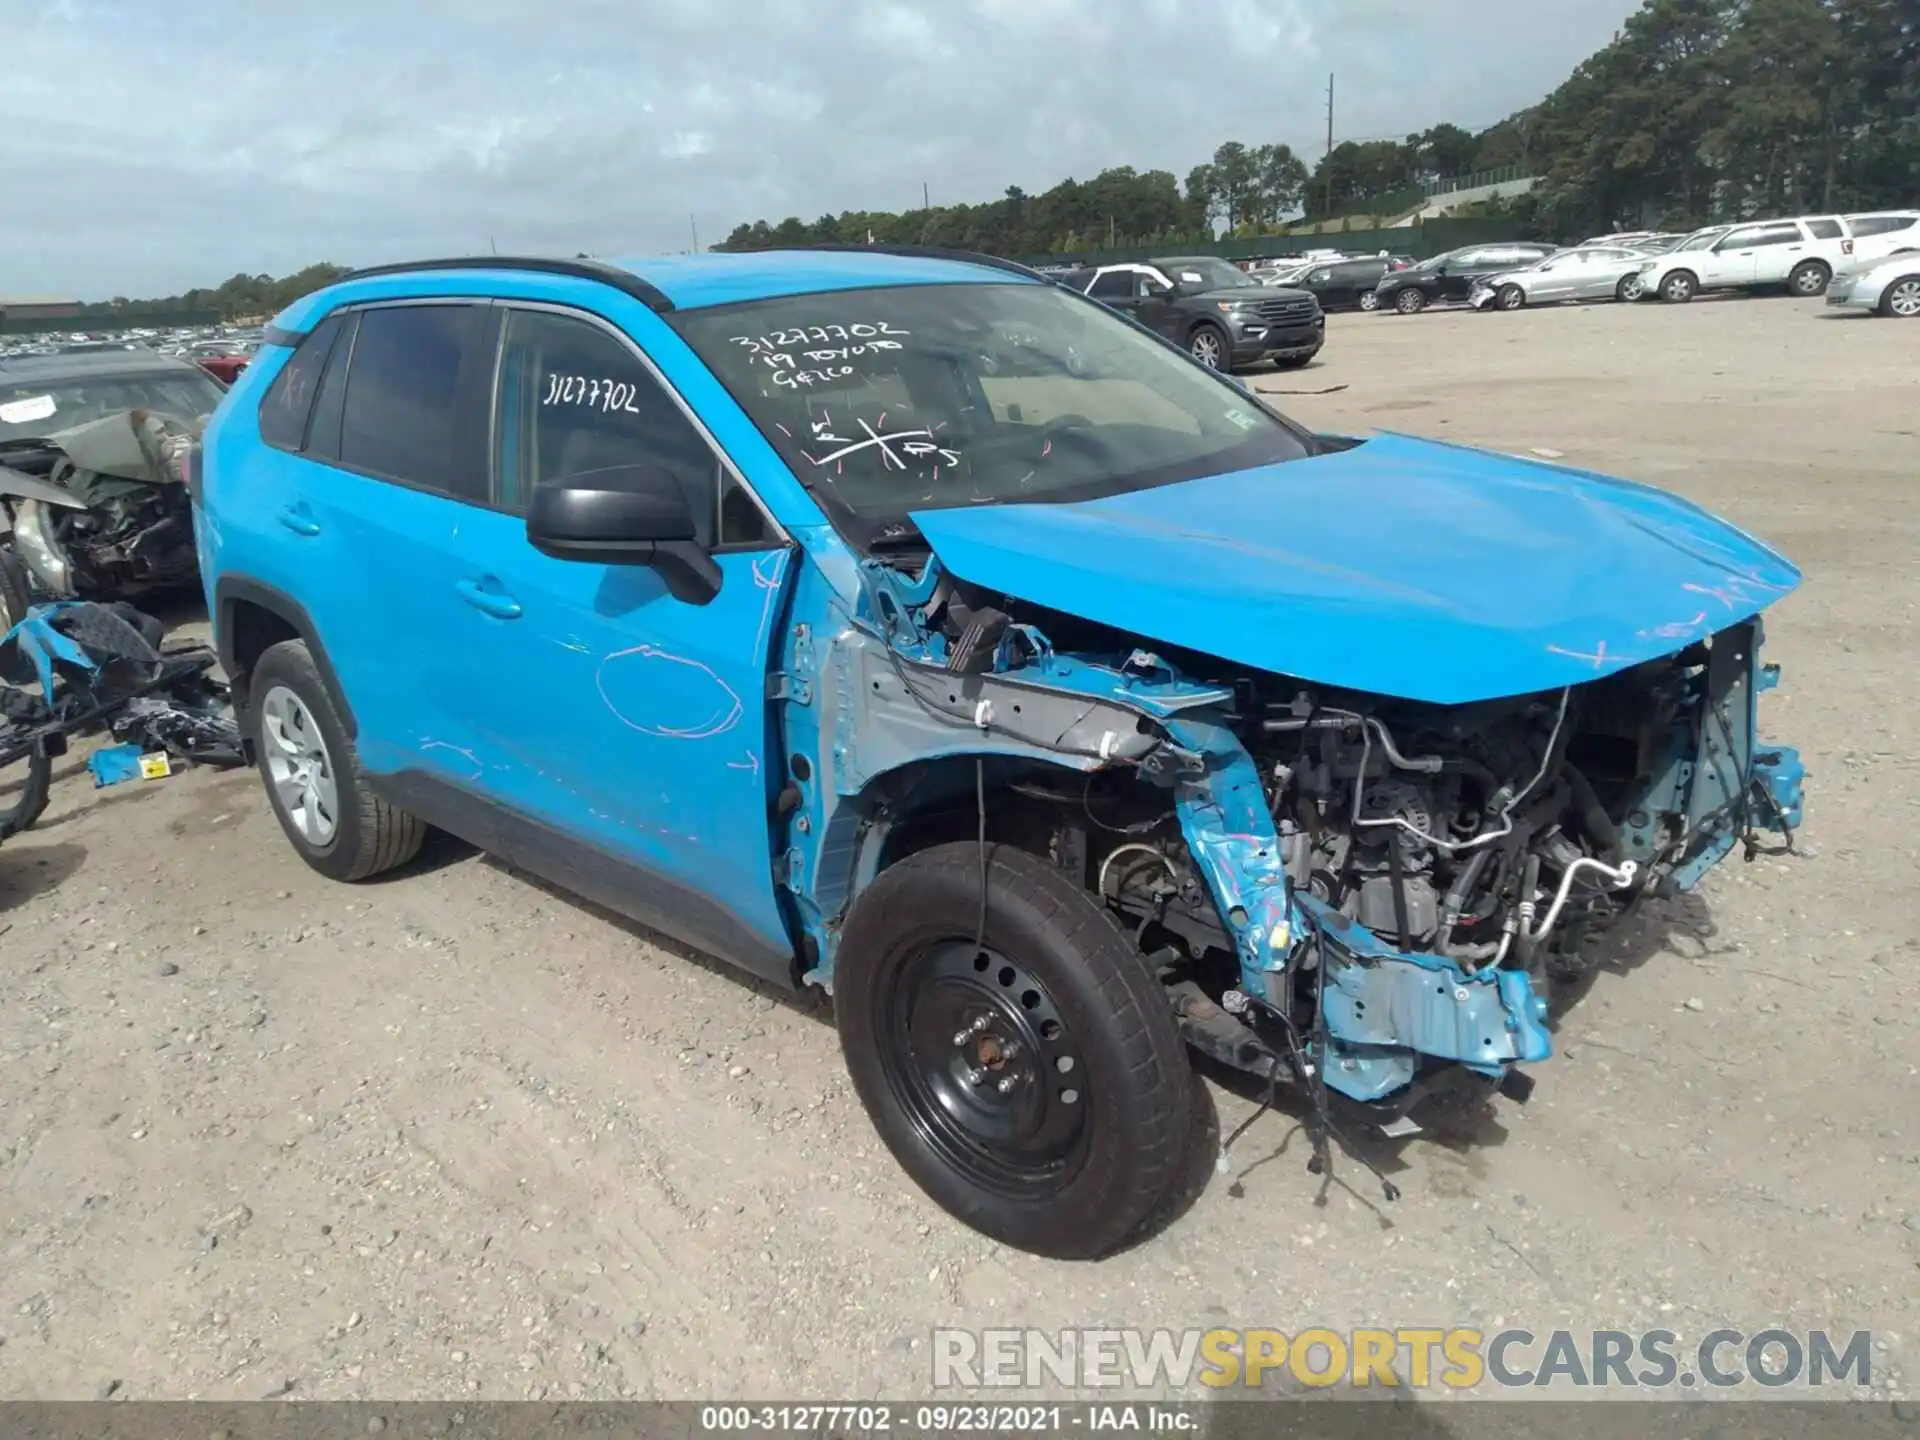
<point>1349,284</point>
<point>1451,276</point>
<point>1223,316</point>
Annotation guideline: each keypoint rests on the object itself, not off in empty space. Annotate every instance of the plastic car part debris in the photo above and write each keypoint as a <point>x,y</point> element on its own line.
<point>72,667</point>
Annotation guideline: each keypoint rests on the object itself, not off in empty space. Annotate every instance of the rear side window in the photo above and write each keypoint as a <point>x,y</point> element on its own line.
<point>289,400</point>
<point>1824,229</point>
<point>402,398</point>
<point>1880,224</point>
<point>573,398</point>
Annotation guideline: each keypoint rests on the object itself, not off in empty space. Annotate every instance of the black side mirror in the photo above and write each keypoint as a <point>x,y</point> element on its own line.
<point>624,515</point>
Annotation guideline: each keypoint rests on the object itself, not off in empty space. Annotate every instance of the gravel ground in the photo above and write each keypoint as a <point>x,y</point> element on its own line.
<point>452,1134</point>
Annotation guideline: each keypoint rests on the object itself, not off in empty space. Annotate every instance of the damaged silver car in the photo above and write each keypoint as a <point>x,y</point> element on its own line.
<point>93,455</point>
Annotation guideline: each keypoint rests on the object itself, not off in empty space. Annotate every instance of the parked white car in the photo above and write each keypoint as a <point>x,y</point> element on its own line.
<point>1883,233</point>
<point>1887,287</point>
<point>1801,253</point>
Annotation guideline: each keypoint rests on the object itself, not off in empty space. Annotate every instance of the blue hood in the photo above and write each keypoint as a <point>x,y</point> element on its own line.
<point>1399,567</point>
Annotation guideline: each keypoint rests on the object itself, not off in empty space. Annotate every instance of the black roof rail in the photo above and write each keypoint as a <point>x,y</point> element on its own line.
<point>623,280</point>
<point>938,252</point>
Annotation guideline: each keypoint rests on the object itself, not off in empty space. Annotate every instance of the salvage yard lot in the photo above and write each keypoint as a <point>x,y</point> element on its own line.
<point>453,1134</point>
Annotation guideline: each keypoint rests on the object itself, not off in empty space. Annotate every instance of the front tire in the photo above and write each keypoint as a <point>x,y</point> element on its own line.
<point>312,773</point>
<point>1902,298</point>
<point>1208,344</point>
<point>1036,1086</point>
<point>1410,301</point>
<point>1809,278</point>
<point>1510,297</point>
<point>1679,287</point>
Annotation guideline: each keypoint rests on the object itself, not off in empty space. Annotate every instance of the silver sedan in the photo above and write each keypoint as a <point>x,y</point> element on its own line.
<point>1889,287</point>
<point>1590,272</point>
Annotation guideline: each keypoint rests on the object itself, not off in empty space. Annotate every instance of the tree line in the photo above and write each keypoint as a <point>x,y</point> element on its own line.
<point>240,295</point>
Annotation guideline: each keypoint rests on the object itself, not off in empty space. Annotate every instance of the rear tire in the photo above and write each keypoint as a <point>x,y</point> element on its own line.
<point>1410,301</point>
<point>1629,288</point>
<point>1679,287</point>
<point>1809,278</point>
<point>1902,298</point>
<point>330,814</point>
<point>1294,362</point>
<point>1369,300</point>
<point>1036,1087</point>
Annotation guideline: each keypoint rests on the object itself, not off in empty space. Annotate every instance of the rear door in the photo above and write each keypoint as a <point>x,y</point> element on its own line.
<point>626,722</point>
<point>400,425</point>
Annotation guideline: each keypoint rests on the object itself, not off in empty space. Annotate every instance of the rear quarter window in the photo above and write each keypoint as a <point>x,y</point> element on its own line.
<point>289,400</point>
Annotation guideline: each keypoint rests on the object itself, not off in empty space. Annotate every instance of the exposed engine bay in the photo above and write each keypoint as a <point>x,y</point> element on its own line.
<point>101,511</point>
<point>1365,891</point>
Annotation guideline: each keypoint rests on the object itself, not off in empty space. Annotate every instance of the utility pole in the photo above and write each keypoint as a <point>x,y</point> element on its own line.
<point>926,200</point>
<point>1329,160</point>
<point>693,229</point>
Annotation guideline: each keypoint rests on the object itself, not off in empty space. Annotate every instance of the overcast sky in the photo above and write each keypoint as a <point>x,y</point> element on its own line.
<point>150,145</point>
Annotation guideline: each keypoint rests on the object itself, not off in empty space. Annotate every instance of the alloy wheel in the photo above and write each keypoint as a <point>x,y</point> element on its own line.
<point>1205,347</point>
<point>1904,298</point>
<point>1369,300</point>
<point>301,770</point>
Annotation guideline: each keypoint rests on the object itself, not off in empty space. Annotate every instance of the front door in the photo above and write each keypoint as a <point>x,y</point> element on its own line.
<point>629,720</point>
<point>1153,306</point>
<point>1731,262</point>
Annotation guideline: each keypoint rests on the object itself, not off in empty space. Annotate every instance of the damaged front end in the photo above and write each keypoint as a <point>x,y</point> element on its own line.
<point>101,511</point>
<point>1369,892</point>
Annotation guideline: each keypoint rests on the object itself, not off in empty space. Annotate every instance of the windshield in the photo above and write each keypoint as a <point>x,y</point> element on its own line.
<point>925,397</point>
<point>1197,271</point>
<point>31,409</point>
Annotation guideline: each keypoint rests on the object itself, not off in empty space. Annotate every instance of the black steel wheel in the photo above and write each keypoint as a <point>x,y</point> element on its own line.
<point>1035,1085</point>
<point>977,1045</point>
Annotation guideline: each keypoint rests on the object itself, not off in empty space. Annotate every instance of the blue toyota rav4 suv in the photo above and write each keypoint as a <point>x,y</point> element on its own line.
<point>909,626</point>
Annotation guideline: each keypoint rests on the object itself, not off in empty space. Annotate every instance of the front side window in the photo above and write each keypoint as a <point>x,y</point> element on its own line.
<point>574,398</point>
<point>402,398</point>
<point>1112,285</point>
<point>289,400</point>
<point>1705,240</point>
<point>1753,237</point>
<point>897,399</point>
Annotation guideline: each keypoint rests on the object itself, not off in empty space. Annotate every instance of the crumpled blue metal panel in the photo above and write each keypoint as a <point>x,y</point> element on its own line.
<point>1400,567</point>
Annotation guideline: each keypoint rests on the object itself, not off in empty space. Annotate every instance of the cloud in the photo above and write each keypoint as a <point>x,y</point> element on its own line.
<point>147,147</point>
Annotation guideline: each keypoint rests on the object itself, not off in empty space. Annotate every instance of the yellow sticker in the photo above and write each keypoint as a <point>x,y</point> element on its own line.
<point>155,766</point>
